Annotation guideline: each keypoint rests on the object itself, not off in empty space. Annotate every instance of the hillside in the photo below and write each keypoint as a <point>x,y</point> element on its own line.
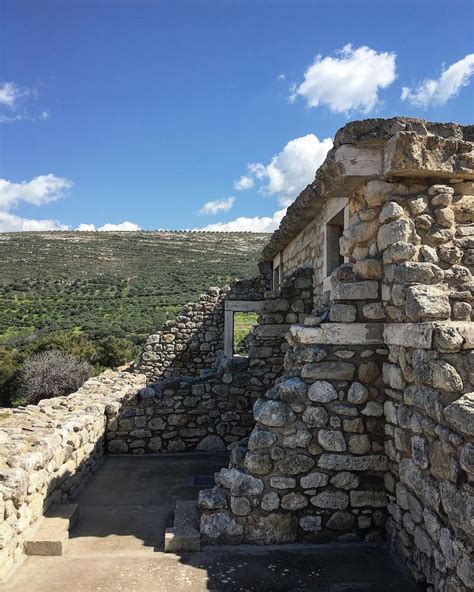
<point>110,283</point>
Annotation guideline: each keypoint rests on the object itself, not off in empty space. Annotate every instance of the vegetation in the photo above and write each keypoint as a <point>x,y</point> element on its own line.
<point>98,295</point>
<point>243,325</point>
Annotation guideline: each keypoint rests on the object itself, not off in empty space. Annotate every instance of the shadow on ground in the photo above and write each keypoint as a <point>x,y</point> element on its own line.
<point>124,511</point>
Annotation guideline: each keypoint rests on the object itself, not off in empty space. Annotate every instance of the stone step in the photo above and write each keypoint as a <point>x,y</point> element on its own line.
<point>51,535</point>
<point>184,535</point>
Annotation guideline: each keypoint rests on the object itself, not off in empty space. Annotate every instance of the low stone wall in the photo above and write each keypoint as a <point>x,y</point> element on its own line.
<point>46,452</point>
<point>213,411</point>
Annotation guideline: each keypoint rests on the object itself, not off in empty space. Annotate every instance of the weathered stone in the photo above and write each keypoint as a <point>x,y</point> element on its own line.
<point>463,208</point>
<point>368,372</point>
<point>371,499</point>
<point>391,211</point>
<point>425,303</point>
<point>423,541</point>
<point>466,458</point>
<point>393,232</point>
<point>314,480</point>
<point>293,501</point>
<point>361,232</point>
<point>155,444</point>
<point>212,499</point>
<point>373,311</point>
<point>292,391</point>
<point>258,463</point>
<point>342,313</point>
<point>420,451</point>
<point>270,501</point>
<point>345,480</point>
<point>414,272</point>
<point>460,414</point>
<point>117,446</point>
<point>340,462</point>
<point>462,311</point>
<point>359,444</point>
<point>373,409</point>
<point>220,527</point>
<point>315,417</point>
<point>399,251</point>
<point>282,482</point>
<point>332,440</point>
<point>458,505</point>
<point>447,339</point>
<point>299,440</point>
<point>328,370</point>
<point>240,506</point>
<point>366,290</point>
<point>273,413</point>
<point>261,439</point>
<point>295,465</point>
<point>322,391</point>
<point>331,500</point>
<point>446,377</point>
<point>240,483</point>
<point>311,523</point>
<point>357,393</point>
<point>272,529</point>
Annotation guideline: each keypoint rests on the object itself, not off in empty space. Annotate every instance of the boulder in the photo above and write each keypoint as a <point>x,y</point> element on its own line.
<point>426,303</point>
<point>273,413</point>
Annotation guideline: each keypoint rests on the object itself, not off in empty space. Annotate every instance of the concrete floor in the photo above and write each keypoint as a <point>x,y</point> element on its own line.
<point>116,544</point>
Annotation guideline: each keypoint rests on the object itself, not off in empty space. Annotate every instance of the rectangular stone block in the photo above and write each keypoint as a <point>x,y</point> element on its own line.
<point>337,334</point>
<point>355,291</point>
<point>347,462</point>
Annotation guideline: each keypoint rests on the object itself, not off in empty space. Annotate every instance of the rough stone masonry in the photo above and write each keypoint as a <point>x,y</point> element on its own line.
<point>352,417</point>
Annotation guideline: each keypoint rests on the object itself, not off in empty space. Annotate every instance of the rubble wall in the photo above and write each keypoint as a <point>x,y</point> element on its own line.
<point>48,450</point>
<point>214,410</point>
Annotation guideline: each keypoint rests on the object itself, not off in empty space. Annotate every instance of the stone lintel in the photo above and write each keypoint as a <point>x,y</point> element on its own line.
<point>337,334</point>
<point>244,305</point>
<point>271,331</point>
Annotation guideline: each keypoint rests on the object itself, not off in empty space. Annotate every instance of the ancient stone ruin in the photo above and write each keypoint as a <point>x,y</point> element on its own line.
<point>352,418</point>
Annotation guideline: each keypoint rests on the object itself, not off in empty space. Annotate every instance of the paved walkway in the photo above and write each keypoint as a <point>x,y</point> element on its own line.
<point>116,544</point>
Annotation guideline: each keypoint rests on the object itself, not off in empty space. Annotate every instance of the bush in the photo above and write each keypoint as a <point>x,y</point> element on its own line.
<point>50,374</point>
<point>115,351</point>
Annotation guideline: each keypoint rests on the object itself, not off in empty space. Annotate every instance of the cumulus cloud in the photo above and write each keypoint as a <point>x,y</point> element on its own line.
<point>448,85</point>
<point>245,224</point>
<point>12,223</point>
<point>122,227</point>
<point>349,81</point>
<point>218,205</point>
<point>10,93</point>
<point>40,190</point>
<point>289,171</point>
<point>245,182</point>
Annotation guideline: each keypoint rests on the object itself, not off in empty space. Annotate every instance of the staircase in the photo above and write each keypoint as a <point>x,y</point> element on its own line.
<point>51,534</point>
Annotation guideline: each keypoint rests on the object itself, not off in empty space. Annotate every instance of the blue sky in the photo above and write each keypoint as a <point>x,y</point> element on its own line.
<point>147,111</point>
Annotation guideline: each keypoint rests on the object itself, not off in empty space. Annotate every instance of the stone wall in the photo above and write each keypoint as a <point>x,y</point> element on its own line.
<point>214,410</point>
<point>192,343</point>
<point>48,450</point>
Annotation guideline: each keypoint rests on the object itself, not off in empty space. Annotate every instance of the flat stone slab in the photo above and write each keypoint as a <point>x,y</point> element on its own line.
<point>337,334</point>
<point>184,536</point>
<point>52,533</point>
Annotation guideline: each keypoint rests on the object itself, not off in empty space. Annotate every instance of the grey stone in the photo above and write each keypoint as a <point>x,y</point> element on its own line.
<point>420,451</point>
<point>446,377</point>
<point>155,444</point>
<point>423,541</point>
<point>367,290</point>
<point>359,444</point>
<point>299,440</point>
<point>342,313</point>
<point>341,462</point>
<point>399,251</point>
<point>357,393</point>
<point>393,232</point>
<point>315,417</point>
<point>322,391</point>
<point>282,482</point>
<point>240,506</point>
<point>220,527</point>
<point>373,409</point>
<point>331,500</point>
<point>466,458</point>
<point>261,439</point>
<point>373,311</point>
<point>212,499</point>
<point>117,446</point>
<point>371,499</point>
<point>458,505</point>
<point>311,523</point>
<point>258,463</point>
<point>332,440</point>
<point>295,465</point>
<point>425,303</point>
<point>414,272</point>
<point>240,483</point>
<point>460,414</point>
<point>293,501</point>
<point>314,480</point>
<point>345,480</point>
<point>275,528</point>
<point>270,501</point>
<point>328,370</point>
<point>273,413</point>
<point>292,391</point>
<point>391,211</point>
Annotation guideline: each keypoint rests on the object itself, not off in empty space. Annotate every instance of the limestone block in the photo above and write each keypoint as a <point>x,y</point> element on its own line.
<point>293,501</point>
<point>220,527</point>
<point>425,303</point>
<point>393,232</point>
<point>342,313</point>
<point>273,413</point>
<point>376,192</point>
<point>315,417</point>
<point>295,465</point>
<point>328,370</point>
<point>391,211</point>
<point>276,528</point>
<point>332,440</point>
<point>463,208</point>
<point>322,391</point>
<point>460,414</point>
<point>330,500</point>
<point>314,480</point>
<point>446,377</point>
<point>366,290</point>
<point>413,272</point>
<point>337,334</point>
<point>348,462</point>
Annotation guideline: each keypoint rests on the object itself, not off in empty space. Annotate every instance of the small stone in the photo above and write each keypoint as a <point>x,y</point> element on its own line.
<point>292,391</point>
<point>420,451</point>
<point>212,499</point>
<point>283,482</point>
<point>296,464</point>
<point>368,372</point>
<point>357,393</point>
<point>342,313</point>
<point>446,377</point>
<point>373,311</point>
<point>462,311</point>
<point>310,523</point>
<point>369,269</point>
<point>331,500</point>
<point>315,417</point>
<point>396,231</point>
<point>466,458</point>
<point>373,409</point>
<point>359,444</point>
<point>345,480</point>
<point>258,464</point>
<point>261,439</point>
<point>399,251</point>
<point>445,217</point>
<point>211,443</point>
<point>425,303</point>
<point>322,391</point>
<point>460,414</point>
<point>240,506</point>
<point>240,483</point>
<point>299,440</point>
<point>270,501</point>
<point>220,527</point>
<point>329,370</point>
<point>391,211</point>
<point>273,413</point>
<point>371,499</point>
<point>341,521</point>
<point>314,480</point>
<point>293,501</point>
<point>332,440</point>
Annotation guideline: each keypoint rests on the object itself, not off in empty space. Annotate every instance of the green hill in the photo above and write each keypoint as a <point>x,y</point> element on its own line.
<point>110,283</point>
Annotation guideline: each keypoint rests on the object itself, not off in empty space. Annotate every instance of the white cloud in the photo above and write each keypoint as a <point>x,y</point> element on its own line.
<point>448,85</point>
<point>218,205</point>
<point>40,190</point>
<point>245,182</point>
<point>12,223</point>
<point>10,94</point>
<point>281,77</point>
<point>86,228</point>
<point>350,81</point>
<point>290,170</point>
<point>122,227</point>
<point>16,104</point>
<point>245,224</point>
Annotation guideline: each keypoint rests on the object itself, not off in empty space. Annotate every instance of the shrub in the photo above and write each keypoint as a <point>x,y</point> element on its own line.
<point>50,374</point>
<point>115,351</point>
